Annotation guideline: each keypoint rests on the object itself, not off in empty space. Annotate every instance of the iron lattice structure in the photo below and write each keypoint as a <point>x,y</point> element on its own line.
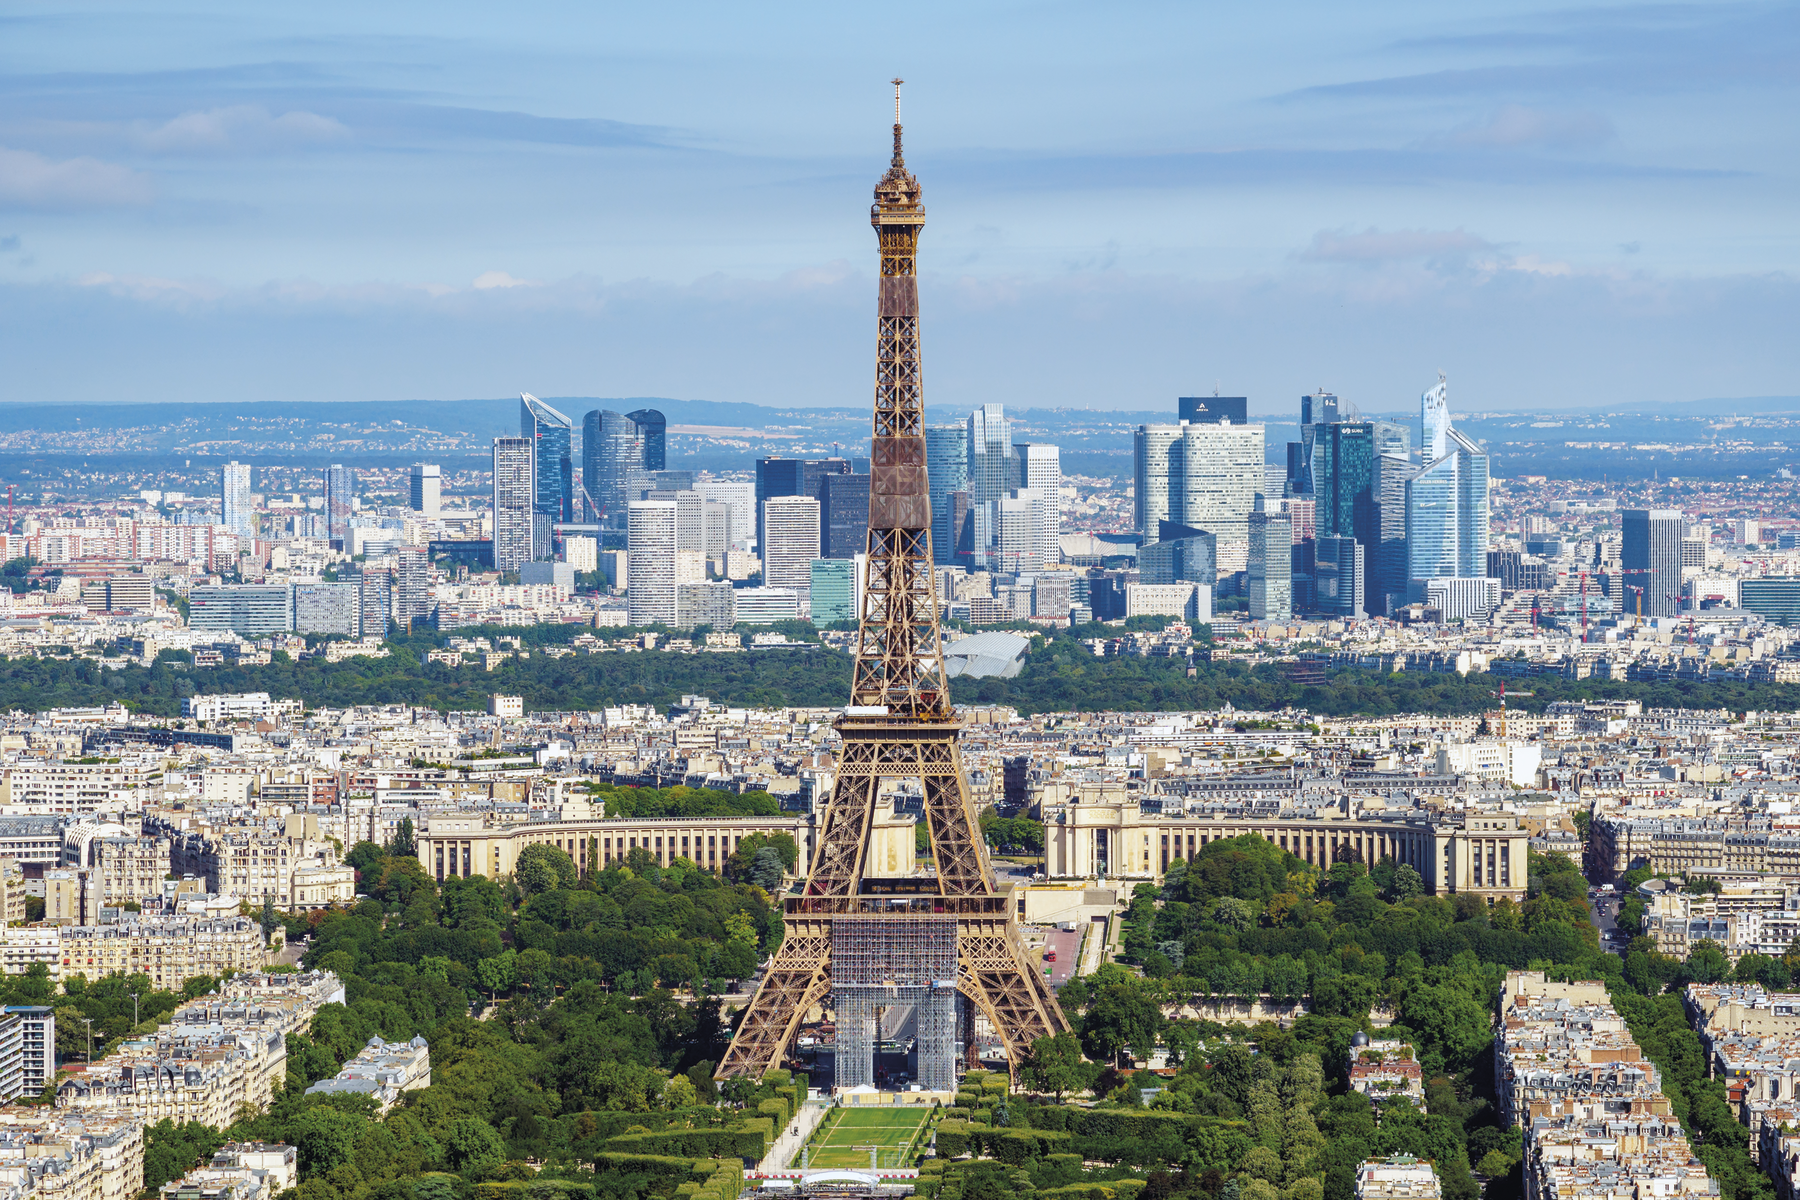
<point>899,725</point>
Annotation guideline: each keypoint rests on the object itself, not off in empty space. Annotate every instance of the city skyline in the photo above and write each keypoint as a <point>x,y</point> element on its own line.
<point>1353,196</point>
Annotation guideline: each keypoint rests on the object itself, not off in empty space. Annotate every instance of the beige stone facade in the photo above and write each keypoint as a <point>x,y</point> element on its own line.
<point>468,845</point>
<point>49,1155</point>
<point>1107,835</point>
<point>170,950</point>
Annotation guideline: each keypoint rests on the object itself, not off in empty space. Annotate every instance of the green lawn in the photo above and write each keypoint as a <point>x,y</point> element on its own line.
<point>891,1129</point>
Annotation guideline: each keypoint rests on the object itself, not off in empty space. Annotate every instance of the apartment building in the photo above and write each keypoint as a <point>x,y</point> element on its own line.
<point>238,1171</point>
<point>195,1073</point>
<point>294,870</point>
<point>170,950</point>
<point>51,1155</point>
<point>1673,845</point>
<point>1401,1177</point>
<point>129,867</point>
<point>1595,1120</point>
<point>35,1035</point>
<point>79,788</point>
<point>382,1070</point>
<point>1385,1071</point>
<point>257,1001</point>
<point>1746,916</point>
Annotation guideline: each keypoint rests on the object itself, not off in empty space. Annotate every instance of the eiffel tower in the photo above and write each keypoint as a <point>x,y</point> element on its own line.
<point>942,943</point>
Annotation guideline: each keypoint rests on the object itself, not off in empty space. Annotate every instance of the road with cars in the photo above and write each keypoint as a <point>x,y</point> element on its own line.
<point>1603,910</point>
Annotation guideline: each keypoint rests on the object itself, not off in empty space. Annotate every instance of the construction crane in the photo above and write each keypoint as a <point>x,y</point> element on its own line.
<point>1621,571</point>
<point>1502,694</point>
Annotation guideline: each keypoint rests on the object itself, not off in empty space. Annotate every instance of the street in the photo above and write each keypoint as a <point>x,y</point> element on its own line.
<point>1603,911</point>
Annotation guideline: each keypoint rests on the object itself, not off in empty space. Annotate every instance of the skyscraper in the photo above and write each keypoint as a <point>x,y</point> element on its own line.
<point>795,477</point>
<point>612,465</point>
<point>375,606</point>
<point>1447,515</point>
<point>340,491</point>
<point>739,500</point>
<point>1338,576</point>
<point>1156,460</point>
<point>1386,557</point>
<point>790,543</point>
<point>1221,476</point>
<point>1038,467</point>
<point>1343,476</point>
<point>1269,576</point>
<point>1651,544</point>
<point>653,427</point>
<point>425,496</point>
<point>553,470</point>
<point>412,586</point>
<point>990,454</point>
<point>843,515</point>
<point>650,594</point>
<point>237,512</point>
<point>1434,420</point>
<point>947,471</point>
<point>514,502</point>
<point>1214,410</point>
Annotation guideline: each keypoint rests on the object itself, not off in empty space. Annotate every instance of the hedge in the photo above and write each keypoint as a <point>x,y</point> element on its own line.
<point>952,1138</point>
<point>537,1189</point>
<point>749,1140</point>
<point>779,1109</point>
<point>1016,1147</point>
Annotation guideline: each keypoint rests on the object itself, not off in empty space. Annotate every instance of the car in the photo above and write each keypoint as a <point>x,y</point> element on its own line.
<point>1049,956</point>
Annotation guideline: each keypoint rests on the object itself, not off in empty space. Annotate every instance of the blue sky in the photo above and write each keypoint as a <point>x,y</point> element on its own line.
<point>1556,205</point>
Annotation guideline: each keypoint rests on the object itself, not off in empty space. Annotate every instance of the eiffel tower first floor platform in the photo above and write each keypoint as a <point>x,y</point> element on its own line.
<point>861,953</point>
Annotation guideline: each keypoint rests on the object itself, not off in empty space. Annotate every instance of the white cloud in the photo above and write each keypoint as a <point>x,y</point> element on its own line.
<point>29,180</point>
<point>1514,125</point>
<point>498,279</point>
<point>239,129</point>
<point>1374,245</point>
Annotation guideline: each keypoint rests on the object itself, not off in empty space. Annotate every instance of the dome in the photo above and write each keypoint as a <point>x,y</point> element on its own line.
<point>1359,1038</point>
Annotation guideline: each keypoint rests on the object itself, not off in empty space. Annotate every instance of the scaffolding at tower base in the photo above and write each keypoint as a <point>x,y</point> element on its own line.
<point>886,962</point>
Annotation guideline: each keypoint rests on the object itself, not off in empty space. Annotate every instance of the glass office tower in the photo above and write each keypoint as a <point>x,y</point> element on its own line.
<point>553,468</point>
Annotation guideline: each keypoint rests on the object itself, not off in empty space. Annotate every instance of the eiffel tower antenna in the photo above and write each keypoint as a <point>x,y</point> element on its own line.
<point>859,937</point>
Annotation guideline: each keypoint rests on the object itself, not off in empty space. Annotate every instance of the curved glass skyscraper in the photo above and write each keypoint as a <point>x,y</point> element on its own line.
<point>553,468</point>
<point>617,454</point>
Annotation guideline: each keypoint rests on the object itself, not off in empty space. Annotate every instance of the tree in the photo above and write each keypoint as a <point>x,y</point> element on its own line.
<point>542,868</point>
<point>498,972</point>
<point>403,845</point>
<point>270,922</point>
<point>1407,883</point>
<point>1707,963</point>
<point>766,869</point>
<point>1121,1017</point>
<point>1054,1064</point>
<point>471,1142</point>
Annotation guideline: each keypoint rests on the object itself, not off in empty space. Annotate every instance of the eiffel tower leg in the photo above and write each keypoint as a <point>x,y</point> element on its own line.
<point>837,863</point>
<point>799,976</point>
<point>998,977</point>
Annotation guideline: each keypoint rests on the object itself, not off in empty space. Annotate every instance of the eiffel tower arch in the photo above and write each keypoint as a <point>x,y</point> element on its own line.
<point>944,941</point>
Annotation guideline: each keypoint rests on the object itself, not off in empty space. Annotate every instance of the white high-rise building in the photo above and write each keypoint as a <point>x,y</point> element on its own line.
<point>650,594</point>
<point>582,553</point>
<point>514,494</point>
<point>739,499</point>
<point>1221,476</point>
<point>412,585</point>
<point>790,543</point>
<point>237,511</point>
<point>1038,466</point>
<point>1156,492</point>
<point>1019,543</point>
<point>426,493</point>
